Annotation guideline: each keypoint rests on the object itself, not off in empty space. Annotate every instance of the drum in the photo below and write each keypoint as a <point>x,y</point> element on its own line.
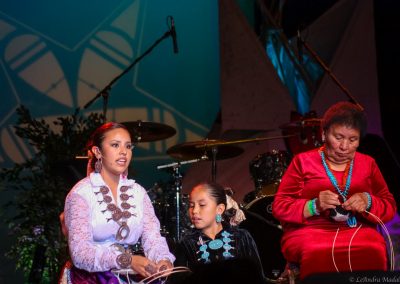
<point>266,232</point>
<point>163,198</point>
<point>267,170</point>
<point>303,132</point>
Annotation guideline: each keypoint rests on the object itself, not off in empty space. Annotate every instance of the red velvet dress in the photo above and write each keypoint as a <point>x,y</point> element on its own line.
<point>319,244</point>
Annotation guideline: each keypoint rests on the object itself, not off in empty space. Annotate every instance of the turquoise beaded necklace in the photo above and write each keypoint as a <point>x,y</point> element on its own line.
<point>214,245</point>
<point>351,221</point>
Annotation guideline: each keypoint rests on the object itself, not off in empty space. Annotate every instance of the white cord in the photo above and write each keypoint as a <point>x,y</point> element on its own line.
<point>123,271</point>
<point>391,250</point>
<point>388,236</point>
<point>351,240</point>
<point>164,273</point>
<point>119,280</point>
<point>392,258</point>
<point>333,248</point>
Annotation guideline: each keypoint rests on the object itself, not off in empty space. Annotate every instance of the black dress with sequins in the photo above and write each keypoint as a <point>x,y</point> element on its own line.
<point>239,246</point>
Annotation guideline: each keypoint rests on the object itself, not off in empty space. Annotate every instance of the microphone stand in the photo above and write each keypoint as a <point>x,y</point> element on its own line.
<point>105,91</point>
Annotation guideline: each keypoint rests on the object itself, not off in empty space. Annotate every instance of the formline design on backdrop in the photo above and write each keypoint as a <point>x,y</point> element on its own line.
<point>171,32</point>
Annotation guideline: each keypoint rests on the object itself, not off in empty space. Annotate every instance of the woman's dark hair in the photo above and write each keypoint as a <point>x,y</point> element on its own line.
<point>345,113</point>
<point>97,138</point>
<point>218,192</point>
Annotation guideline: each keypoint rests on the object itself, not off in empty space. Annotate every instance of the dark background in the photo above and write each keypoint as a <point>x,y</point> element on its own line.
<point>298,14</point>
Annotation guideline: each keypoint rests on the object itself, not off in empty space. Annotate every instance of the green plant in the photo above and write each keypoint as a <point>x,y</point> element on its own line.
<point>39,186</point>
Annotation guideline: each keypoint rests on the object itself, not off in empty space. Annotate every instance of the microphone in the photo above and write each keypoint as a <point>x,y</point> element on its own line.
<point>173,35</point>
<point>299,46</point>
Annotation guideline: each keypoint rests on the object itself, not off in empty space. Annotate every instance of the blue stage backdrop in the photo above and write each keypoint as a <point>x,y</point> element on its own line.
<point>57,55</point>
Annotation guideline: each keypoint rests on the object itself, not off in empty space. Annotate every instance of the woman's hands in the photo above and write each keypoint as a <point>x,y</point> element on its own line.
<point>143,265</point>
<point>146,267</point>
<point>358,202</point>
<point>164,265</point>
<point>327,199</point>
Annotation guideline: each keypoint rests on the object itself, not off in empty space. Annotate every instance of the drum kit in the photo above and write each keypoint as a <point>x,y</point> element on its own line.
<point>266,171</point>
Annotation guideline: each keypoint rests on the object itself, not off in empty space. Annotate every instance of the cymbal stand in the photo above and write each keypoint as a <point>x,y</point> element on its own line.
<point>214,149</point>
<point>214,152</point>
<point>178,189</point>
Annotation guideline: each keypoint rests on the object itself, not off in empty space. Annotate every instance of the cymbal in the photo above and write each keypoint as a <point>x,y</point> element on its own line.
<point>203,150</point>
<point>308,122</point>
<point>145,131</point>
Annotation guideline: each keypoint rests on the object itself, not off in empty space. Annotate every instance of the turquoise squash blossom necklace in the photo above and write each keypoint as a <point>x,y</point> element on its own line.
<point>351,221</point>
<point>215,245</point>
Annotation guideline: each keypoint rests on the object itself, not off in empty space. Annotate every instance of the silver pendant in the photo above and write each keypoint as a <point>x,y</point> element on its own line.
<point>123,232</point>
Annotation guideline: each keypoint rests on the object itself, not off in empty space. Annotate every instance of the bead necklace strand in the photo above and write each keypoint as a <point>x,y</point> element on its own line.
<point>215,245</point>
<point>351,221</point>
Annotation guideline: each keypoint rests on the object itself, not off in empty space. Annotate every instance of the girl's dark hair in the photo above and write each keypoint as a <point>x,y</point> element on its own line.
<point>345,113</point>
<point>218,192</point>
<point>97,138</point>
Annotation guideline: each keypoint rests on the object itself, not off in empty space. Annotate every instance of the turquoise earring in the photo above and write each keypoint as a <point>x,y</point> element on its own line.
<point>218,218</point>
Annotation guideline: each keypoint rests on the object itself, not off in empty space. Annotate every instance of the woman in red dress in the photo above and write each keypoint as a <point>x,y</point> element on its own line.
<point>330,200</point>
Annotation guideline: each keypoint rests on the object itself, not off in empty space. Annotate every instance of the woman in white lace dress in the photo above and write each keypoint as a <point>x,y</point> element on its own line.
<point>106,214</point>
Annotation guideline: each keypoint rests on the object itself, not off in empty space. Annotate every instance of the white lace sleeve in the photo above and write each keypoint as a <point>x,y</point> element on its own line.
<point>154,245</point>
<point>85,254</point>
